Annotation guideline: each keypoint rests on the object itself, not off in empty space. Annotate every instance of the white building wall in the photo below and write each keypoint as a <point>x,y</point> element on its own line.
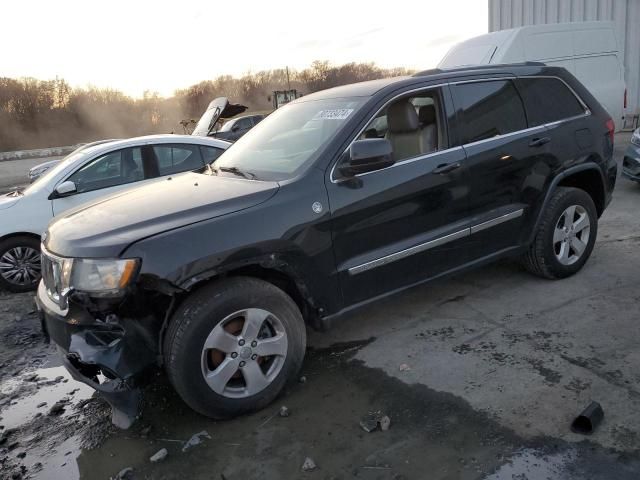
<point>505,14</point>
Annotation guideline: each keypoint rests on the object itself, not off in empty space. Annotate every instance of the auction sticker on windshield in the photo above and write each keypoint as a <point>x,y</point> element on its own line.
<point>335,114</point>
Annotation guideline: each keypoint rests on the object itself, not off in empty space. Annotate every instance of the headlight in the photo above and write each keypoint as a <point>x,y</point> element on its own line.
<point>635,138</point>
<point>102,277</point>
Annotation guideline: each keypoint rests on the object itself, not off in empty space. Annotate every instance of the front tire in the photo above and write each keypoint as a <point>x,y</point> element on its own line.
<point>19,263</point>
<point>233,345</point>
<point>566,235</point>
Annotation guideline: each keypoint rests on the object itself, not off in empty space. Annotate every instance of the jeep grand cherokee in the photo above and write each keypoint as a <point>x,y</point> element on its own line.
<point>333,201</point>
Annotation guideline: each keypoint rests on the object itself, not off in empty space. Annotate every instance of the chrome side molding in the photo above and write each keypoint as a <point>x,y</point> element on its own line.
<point>378,262</point>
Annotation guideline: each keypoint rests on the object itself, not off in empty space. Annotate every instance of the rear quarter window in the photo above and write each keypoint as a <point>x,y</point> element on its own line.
<point>548,100</point>
<point>488,108</point>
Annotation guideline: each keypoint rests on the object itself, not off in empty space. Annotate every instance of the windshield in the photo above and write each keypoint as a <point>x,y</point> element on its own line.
<point>284,143</point>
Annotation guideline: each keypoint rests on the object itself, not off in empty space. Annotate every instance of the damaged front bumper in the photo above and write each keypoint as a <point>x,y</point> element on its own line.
<point>114,357</point>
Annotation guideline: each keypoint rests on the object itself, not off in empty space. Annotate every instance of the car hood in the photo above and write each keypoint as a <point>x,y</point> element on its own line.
<point>218,108</point>
<point>106,228</point>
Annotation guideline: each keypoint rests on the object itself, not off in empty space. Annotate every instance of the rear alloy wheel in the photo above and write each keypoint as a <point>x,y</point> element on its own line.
<point>571,235</point>
<point>566,235</point>
<point>233,345</point>
<point>19,264</point>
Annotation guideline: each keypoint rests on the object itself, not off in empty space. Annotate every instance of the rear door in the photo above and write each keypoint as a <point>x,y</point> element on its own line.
<point>507,161</point>
<point>551,103</point>
<point>174,158</point>
<point>403,224</point>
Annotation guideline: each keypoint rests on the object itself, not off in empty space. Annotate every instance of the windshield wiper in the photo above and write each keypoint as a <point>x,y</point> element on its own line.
<point>237,171</point>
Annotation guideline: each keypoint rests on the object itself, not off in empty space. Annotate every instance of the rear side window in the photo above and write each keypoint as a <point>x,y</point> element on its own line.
<point>548,100</point>
<point>177,158</point>
<point>487,109</point>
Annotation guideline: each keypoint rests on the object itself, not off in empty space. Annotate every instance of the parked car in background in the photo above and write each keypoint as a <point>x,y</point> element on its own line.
<point>218,109</point>
<point>39,170</point>
<point>217,121</point>
<point>589,50</point>
<point>631,159</point>
<point>320,209</point>
<point>235,128</point>
<point>85,176</point>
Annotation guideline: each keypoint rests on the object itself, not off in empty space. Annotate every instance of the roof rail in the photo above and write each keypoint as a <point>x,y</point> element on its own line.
<point>435,71</point>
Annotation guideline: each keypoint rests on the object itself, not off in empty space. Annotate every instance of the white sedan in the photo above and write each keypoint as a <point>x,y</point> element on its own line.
<point>82,177</point>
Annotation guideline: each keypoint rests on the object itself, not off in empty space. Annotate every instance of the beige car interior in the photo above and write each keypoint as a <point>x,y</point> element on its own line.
<point>411,127</point>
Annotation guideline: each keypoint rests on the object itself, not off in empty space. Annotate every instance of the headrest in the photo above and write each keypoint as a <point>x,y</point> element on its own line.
<point>427,114</point>
<point>402,117</point>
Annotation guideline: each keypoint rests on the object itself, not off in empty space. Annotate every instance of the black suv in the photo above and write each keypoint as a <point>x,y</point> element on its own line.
<point>333,201</point>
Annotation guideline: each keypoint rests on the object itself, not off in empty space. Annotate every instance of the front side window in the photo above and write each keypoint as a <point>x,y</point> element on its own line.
<point>487,109</point>
<point>411,124</point>
<point>286,142</point>
<point>548,100</point>
<point>177,158</point>
<point>109,170</point>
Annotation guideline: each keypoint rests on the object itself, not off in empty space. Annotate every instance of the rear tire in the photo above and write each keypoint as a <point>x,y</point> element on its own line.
<point>19,263</point>
<point>566,235</point>
<point>232,346</point>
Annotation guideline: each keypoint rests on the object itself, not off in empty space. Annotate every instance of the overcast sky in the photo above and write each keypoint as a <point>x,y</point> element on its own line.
<point>138,45</point>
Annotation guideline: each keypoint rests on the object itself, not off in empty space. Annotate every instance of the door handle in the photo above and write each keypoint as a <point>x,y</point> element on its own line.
<point>446,168</point>
<point>538,142</point>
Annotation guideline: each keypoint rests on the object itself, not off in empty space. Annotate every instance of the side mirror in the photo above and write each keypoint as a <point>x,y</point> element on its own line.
<point>366,156</point>
<point>66,188</point>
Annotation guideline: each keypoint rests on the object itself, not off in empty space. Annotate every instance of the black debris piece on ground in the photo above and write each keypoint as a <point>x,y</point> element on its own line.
<point>588,420</point>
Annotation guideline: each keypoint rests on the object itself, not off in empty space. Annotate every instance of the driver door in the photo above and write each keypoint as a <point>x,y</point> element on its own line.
<point>400,225</point>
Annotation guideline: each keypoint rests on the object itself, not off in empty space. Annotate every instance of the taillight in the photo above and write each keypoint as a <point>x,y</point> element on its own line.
<point>625,99</point>
<point>611,128</point>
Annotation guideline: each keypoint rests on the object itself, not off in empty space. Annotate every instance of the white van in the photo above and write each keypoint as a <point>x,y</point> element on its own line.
<point>589,50</point>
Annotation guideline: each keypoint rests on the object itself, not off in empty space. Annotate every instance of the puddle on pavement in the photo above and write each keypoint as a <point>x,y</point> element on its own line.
<point>46,444</point>
<point>52,385</point>
<point>535,465</point>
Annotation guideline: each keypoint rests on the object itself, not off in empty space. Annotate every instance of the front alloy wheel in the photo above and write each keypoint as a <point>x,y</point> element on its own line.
<point>232,346</point>
<point>244,353</point>
<point>19,264</point>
